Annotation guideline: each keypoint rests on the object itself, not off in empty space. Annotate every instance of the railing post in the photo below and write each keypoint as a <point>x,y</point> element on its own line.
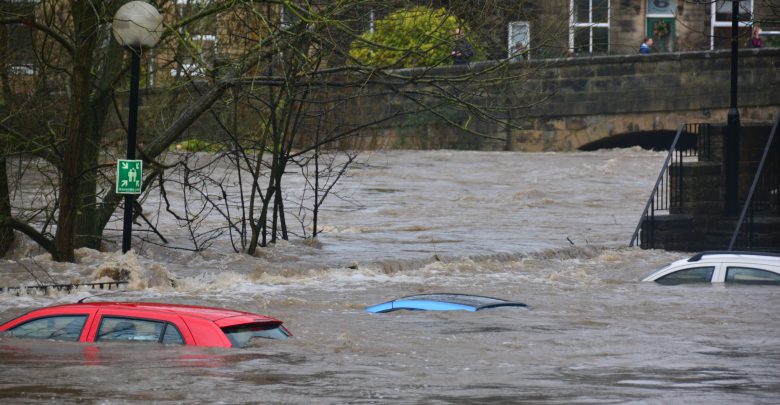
<point>652,225</point>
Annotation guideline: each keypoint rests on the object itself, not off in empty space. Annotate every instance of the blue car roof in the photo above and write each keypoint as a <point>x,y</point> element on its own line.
<point>443,302</point>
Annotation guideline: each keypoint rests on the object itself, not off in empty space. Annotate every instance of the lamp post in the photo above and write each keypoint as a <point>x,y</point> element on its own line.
<point>137,25</point>
<point>732,130</point>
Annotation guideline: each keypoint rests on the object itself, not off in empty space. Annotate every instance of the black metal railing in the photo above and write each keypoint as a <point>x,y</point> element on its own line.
<point>691,140</point>
<point>44,288</point>
<point>763,198</point>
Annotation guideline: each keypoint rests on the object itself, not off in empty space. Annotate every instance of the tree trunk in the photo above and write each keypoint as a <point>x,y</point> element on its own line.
<point>88,231</point>
<point>89,228</point>
<point>85,23</point>
<point>6,234</point>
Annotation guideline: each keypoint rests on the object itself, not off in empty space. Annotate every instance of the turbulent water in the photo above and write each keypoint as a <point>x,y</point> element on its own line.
<point>547,229</point>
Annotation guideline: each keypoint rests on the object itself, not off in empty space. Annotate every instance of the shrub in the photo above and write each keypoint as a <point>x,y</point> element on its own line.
<point>417,36</point>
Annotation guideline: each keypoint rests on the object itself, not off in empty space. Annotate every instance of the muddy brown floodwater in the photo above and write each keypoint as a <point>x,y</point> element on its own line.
<point>546,229</point>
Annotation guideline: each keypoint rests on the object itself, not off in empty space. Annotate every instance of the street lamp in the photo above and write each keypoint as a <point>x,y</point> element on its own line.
<point>732,127</point>
<point>137,25</point>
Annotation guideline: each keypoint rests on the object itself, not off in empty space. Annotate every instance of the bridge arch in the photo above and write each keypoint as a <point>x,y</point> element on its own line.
<point>658,140</point>
<point>627,99</point>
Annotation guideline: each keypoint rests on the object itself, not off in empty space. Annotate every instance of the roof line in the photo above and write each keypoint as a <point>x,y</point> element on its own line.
<point>699,256</point>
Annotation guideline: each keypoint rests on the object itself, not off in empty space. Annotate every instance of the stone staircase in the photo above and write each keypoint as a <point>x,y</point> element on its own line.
<point>695,219</point>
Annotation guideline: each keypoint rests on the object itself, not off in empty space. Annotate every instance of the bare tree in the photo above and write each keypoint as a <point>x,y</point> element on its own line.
<point>277,97</point>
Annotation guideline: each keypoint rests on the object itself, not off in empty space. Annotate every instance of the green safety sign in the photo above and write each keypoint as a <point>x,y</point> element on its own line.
<point>128,176</point>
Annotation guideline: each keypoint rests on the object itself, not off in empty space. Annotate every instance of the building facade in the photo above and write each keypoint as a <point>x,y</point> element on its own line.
<point>501,28</point>
<point>601,27</point>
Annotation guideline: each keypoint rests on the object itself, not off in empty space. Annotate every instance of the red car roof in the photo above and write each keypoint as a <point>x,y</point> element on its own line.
<point>207,313</point>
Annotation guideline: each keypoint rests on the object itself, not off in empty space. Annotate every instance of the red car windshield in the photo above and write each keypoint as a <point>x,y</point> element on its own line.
<point>242,335</point>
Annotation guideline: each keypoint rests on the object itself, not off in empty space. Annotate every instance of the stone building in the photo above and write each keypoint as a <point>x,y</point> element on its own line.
<point>553,28</point>
<point>502,28</point>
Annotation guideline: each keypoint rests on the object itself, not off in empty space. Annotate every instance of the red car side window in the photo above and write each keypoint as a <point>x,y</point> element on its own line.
<point>138,330</point>
<point>172,336</point>
<point>60,327</point>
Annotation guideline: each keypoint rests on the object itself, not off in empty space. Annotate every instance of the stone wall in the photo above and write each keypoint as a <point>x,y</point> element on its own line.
<point>598,97</point>
<point>561,104</point>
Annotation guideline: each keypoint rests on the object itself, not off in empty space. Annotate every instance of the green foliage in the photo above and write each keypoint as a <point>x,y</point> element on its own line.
<point>417,36</point>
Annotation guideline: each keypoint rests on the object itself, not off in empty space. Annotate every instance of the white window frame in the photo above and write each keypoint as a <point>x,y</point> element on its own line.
<point>25,70</point>
<point>590,25</point>
<point>714,23</point>
<point>285,21</point>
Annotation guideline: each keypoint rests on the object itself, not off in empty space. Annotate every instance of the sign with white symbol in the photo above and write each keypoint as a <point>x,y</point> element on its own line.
<point>128,176</point>
<point>519,38</point>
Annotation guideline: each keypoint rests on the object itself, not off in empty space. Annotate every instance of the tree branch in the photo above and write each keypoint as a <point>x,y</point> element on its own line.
<point>32,233</point>
<point>30,22</point>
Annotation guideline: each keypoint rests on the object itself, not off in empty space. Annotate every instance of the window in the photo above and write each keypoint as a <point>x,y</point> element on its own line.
<point>745,275</point>
<point>199,48</point>
<point>692,275</point>
<point>660,8</point>
<point>241,335</point>
<point>721,11</point>
<point>589,26</point>
<point>172,336</point>
<point>138,330</point>
<point>66,327</point>
<point>720,20</point>
<point>19,46</point>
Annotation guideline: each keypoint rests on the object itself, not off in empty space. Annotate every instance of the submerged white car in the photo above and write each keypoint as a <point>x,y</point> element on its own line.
<point>722,267</point>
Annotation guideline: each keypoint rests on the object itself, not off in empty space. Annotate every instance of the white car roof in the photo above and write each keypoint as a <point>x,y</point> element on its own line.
<point>752,257</point>
<point>767,260</point>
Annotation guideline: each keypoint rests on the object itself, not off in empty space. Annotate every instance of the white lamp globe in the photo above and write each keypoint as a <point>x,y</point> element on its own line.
<point>137,25</point>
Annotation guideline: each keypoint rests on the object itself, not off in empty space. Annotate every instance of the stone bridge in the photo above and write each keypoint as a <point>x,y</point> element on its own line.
<point>610,101</point>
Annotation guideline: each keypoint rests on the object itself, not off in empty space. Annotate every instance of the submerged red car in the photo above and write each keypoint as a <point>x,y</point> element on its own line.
<point>145,322</point>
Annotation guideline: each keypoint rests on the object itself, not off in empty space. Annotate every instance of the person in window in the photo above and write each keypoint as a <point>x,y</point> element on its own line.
<point>646,44</point>
<point>462,52</point>
<point>755,38</point>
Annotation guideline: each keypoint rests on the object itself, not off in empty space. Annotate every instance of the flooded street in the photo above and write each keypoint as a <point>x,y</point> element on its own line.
<point>546,229</point>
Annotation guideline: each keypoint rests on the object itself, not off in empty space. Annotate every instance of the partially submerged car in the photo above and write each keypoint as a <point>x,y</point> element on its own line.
<point>722,267</point>
<point>145,322</point>
<point>443,302</point>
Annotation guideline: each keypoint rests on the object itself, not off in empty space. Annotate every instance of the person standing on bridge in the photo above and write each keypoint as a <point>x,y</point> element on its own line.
<point>462,52</point>
<point>755,38</point>
<point>646,44</point>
